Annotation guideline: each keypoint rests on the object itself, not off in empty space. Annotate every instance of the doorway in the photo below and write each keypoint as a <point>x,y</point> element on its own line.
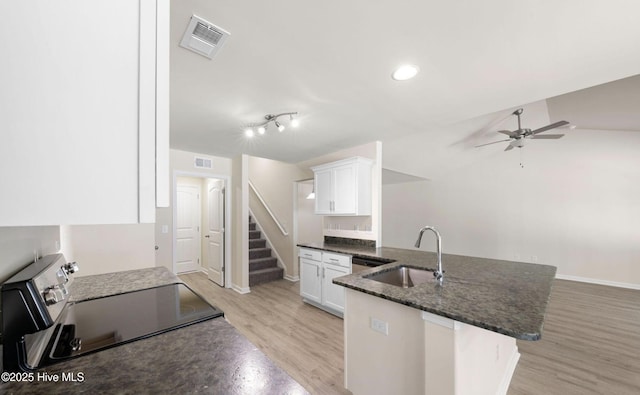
<point>307,225</point>
<point>201,237</point>
<point>187,228</point>
<point>213,252</point>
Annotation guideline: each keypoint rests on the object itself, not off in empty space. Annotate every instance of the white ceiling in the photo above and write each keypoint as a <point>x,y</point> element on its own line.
<point>331,61</point>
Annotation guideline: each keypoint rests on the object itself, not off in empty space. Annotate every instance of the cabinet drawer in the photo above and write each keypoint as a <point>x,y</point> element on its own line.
<point>336,259</point>
<point>314,255</point>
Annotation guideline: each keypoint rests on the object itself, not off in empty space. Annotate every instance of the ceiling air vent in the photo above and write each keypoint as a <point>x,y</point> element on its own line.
<point>203,37</point>
<point>203,163</point>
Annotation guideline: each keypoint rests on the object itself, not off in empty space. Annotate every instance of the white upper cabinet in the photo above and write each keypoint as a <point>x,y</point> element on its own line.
<point>343,187</point>
<point>83,111</point>
<point>323,189</point>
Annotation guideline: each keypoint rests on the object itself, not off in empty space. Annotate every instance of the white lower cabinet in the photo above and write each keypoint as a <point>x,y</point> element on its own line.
<point>317,271</point>
<point>310,281</point>
<point>332,294</point>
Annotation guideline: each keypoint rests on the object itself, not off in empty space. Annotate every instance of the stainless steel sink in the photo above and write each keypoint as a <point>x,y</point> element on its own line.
<point>403,276</point>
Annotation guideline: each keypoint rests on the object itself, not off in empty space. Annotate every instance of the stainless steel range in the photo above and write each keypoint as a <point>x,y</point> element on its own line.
<point>42,325</point>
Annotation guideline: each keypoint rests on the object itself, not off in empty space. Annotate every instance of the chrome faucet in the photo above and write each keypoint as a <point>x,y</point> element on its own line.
<point>439,273</point>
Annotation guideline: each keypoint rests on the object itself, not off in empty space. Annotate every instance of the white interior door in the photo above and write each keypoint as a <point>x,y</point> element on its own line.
<point>187,228</point>
<point>214,233</point>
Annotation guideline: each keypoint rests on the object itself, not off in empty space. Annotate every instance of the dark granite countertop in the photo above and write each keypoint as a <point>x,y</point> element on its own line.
<point>208,357</point>
<point>99,285</point>
<point>501,296</point>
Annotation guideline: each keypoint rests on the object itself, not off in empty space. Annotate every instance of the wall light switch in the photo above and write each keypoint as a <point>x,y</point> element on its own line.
<point>380,326</point>
<point>165,228</point>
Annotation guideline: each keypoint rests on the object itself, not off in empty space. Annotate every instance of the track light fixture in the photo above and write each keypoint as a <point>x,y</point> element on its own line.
<point>262,127</point>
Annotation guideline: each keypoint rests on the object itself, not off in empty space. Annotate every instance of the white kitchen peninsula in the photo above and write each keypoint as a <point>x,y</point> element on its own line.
<point>457,338</point>
<point>416,352</point>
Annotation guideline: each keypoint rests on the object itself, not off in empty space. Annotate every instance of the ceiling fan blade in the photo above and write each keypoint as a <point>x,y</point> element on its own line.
<point>549,127</point>
<point>494,142</point>
<point>547,136</point>
<point>508,133</point>
<point>509,147</point>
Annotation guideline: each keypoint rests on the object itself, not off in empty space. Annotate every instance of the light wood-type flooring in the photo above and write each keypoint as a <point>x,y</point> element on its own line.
<point>590,343</point>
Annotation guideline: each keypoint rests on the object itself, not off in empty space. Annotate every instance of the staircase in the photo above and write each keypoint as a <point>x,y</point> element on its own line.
<point>263,268</point>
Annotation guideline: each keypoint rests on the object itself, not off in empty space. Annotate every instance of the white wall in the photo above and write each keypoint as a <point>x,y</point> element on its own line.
<point>20,245</point>
<point>240,221</point>
<point>102,249</point>
<point>574,205</point>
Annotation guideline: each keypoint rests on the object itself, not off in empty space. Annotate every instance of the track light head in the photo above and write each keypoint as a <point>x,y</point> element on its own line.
<point>294,122</point>
<point>261,128</point>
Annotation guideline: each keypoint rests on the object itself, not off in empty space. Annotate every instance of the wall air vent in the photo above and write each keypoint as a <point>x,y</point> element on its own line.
<point>203,37</point>
<point>202,163</point>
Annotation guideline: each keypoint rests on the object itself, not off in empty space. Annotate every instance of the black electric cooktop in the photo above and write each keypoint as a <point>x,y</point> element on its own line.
<point>96,324</point>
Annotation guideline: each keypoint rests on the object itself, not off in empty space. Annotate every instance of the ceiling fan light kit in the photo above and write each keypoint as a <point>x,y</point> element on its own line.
<point>263,126</point>
<point>516,137</point>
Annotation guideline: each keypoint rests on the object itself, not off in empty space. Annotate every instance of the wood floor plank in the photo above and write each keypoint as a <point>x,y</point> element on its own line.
<point>304,341</point>
<point>590,343</point>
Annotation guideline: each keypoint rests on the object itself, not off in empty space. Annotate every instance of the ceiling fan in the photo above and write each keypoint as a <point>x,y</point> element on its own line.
<point>516,137</point>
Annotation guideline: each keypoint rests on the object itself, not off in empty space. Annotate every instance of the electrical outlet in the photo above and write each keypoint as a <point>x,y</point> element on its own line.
<point>534,258</point>
<point>380,326</point>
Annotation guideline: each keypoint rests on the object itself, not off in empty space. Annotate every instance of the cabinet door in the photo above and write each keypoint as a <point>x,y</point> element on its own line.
<point>332,294</point>
<point>324,194</point>
<point>344,190</point>
<point>310,284</point>
<point>78,105</point>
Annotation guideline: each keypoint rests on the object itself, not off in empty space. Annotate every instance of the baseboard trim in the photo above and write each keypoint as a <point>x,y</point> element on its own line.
<point>599,282</point>
<point>292,278</point>
<point>241,290</point>
<point>322,307</point>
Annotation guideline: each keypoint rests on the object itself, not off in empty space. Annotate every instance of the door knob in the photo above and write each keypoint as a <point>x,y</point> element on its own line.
<point>207,236</point>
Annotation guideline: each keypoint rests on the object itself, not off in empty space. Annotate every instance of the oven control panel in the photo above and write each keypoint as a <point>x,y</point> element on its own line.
<point>53,285</point>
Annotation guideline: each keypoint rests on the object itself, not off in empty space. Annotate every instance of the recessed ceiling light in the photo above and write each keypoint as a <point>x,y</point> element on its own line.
<point>405,72</point>
<point>248,132</point>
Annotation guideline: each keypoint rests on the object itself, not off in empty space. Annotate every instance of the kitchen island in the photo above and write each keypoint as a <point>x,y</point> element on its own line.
<point>454,338</point>
<point>207,357</point>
